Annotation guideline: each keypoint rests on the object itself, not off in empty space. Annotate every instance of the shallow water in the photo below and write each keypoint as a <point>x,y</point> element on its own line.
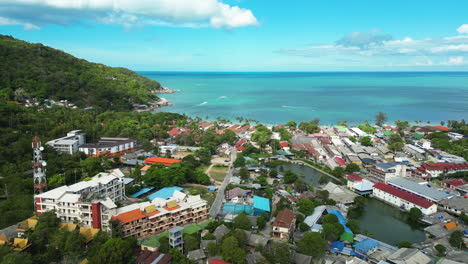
<point>279,97</point>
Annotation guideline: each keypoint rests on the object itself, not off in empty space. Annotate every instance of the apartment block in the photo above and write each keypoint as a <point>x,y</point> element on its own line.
<point>88,203</point>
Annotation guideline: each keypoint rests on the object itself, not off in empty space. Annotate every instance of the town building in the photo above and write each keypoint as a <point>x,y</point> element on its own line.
<point>359,185</point>
<point>284,225</point>
<point>455,205</point>
<point>175,237</point>
<point>382,172</point>
<point>109,146</point>
<point>168,149</point>
<point>88,203</point>
<point>408,255</point>
<point>159,215</point>
<point>70,143</point>
<point>402,199</point>
<point>432,170</point>
<point>423,189</point>
<point>452,184</point>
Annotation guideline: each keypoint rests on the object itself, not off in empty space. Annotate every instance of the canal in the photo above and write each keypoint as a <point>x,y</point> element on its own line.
<point>309,175</point>
<point>387,223</point>
<point>384,222</point>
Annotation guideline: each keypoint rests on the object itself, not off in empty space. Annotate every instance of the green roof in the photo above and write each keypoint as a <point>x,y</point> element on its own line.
<point>192,228</point>
<point>153,241</point>
<point>388,133</point>
<point>347,237</point>
<point>418,136</point>
<point>341,128</point>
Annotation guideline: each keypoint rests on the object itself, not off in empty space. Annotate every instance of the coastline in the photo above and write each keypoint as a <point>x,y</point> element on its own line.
<point>159,103</point>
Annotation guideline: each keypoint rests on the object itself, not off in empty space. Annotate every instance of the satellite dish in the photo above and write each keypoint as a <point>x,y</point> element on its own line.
<point>44,163</point>
<point>41,148</point>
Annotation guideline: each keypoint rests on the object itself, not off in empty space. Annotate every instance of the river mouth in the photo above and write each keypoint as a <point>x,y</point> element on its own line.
<point>388,224</point>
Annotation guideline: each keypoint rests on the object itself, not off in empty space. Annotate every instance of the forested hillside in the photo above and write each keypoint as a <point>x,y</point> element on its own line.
<point>30,71</point>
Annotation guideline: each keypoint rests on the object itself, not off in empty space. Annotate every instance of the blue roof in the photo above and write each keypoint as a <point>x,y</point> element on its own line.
<point>165,193</point>
<point>233,208</point>
<point>336,247</point>
<point>261,203</point>
<point>341,219</point>
<point>141,192</point>
<point>365,245</point>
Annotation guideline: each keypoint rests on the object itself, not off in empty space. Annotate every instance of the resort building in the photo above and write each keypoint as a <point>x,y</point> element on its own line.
<point>423,189</point>
<point>402,199</point>
<point>284,225</point>
<point>89,203</point>
<point>109,146</point>
<point>69,144</point>
<point>382,172</point>
<point>431,170</point>
<point>159,215</point>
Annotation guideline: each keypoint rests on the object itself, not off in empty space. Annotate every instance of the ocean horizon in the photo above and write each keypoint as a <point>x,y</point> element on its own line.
<point>277,97</point>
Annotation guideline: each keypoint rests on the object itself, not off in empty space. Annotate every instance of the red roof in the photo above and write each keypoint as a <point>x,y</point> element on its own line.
<point>240,148</point>
<point>217,261</point>
<point>456,182</point>
<point>174,132</point>
<point>164,161</point>
<point>441,128</point>
<point>284,144</point>
<point>240,143</point>
<point>206,124</point>
<point>284,218</point>
<point>403,195</point>
<point>340,161</point>
<point>443,166</point>
<point>354,177</point>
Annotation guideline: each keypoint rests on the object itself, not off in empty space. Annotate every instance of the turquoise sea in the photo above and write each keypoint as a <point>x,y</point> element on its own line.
<point>277,97</point>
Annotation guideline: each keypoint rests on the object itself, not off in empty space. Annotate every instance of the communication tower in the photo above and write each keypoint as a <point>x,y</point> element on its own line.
<point>40,182</point>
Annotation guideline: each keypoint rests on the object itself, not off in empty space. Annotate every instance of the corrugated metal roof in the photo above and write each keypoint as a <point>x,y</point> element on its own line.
<point>165,193</point>
<point>261,203</point>
<point>422,190</point>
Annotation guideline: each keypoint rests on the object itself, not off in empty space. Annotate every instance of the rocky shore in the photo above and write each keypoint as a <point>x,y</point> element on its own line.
<point>159,103</point>
<point>163,90</point>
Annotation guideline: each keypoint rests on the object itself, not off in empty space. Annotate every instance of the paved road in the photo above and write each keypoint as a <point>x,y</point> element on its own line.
<point>216,206</point>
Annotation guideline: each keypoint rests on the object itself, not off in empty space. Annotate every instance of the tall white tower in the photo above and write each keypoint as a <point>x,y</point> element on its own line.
<point>40,182</point>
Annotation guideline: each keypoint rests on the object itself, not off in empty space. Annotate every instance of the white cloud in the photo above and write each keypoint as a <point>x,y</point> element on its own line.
<point>129,12</point>
<point>454,61</point>
<point>450,48</point>
<point>11,22</point>
<point>463,29</point>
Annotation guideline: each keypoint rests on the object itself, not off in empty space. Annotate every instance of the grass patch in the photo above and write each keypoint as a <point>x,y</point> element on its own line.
<point>209,197</point>
<point>218,172</point>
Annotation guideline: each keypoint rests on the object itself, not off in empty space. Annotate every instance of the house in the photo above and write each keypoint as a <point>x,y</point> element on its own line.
<point>366,247</point>
<point>353,179</point>
<point>151,257</point>
<point>197,255</point>
<point>284,224</point>
<point>382,172</point>
<point>409,256</point>
<point>168,149</point>
<point>220,232</point>
<point>144,169</point>
<point>359,185</point>
<point>235,193</point>
<point>402,199</point>
<point>452,184</point>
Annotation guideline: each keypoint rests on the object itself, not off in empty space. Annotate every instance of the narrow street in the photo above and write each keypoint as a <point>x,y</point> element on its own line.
<point>216,206</point>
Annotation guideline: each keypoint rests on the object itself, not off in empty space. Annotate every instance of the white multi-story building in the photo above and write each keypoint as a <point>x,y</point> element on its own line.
<point>89,203</point>
<point>109,146</point>
<point>383,172</point>
<point>69,144</point>
<point>402,199</point>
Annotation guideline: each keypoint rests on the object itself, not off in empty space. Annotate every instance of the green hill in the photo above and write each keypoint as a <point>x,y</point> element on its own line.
<point>35,71</point>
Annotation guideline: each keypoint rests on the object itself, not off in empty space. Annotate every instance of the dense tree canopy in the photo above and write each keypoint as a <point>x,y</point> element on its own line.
<point>41,72</point>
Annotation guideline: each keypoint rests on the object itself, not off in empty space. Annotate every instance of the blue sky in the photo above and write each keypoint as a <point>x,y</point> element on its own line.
<point>249,35</point>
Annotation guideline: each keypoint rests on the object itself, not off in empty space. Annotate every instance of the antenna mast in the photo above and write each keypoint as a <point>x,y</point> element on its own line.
<point>40,182</point>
